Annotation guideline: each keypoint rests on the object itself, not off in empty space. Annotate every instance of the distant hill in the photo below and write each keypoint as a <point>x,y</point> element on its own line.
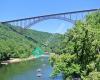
<point>16,44</point>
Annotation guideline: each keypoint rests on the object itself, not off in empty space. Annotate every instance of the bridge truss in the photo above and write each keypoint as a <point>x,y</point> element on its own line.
<point>67,16</point>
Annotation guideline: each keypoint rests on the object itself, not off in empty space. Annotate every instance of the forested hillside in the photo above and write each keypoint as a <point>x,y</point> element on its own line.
<point>16,44</point>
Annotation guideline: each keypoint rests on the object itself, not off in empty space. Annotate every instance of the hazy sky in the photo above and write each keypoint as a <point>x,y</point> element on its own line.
<point>14,9</point>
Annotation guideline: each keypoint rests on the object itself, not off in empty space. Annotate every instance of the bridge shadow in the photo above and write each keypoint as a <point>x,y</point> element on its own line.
<point>21,32</point>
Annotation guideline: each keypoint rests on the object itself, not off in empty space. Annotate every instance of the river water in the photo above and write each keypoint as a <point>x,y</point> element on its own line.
<point>28,70</point>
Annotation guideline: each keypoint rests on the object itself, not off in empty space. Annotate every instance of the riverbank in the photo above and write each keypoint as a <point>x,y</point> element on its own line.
<point>16,60</point>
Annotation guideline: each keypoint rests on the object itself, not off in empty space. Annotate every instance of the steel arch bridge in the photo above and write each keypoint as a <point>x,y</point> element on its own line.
<point>67,16</point>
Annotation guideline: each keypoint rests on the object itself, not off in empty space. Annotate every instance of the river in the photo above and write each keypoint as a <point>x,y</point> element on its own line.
<point>28,70</point>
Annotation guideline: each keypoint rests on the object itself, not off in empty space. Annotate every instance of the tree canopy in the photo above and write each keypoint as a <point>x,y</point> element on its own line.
<point>79,51</point>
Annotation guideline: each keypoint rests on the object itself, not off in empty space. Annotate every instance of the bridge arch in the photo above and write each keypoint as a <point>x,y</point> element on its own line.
<point>47,18</point>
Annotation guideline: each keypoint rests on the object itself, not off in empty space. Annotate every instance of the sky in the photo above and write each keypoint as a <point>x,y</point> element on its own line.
<point>15,9</point>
